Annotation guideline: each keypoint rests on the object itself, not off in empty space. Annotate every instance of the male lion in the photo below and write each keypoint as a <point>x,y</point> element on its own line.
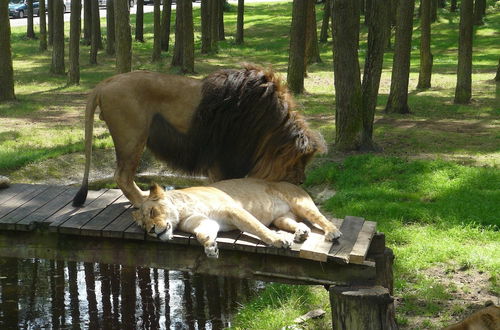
<point>232,124</point>
<point>246,204</point>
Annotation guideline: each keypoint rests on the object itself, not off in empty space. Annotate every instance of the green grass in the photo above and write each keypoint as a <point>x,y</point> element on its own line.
<point>434,190</point>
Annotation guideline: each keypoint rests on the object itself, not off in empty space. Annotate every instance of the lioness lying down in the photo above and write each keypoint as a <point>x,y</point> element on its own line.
<point>249,205</point>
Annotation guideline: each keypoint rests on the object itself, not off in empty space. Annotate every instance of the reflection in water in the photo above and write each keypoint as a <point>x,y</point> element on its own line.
<point>75,295</point>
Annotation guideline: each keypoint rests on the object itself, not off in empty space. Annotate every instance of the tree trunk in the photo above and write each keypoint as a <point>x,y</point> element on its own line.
<point>398,95</point>
<point>312,47</point>
<point>188,36</point>
<point>214,23</point>
<point>58,43</point>
<point>43,26</point>
<point>165,24</point>
<point>30,32</point>
<point>157,31</point>
<point>178,47</point>
<point>434,7</point>
<point>139,21</point>
<point>479,11</point>
<point>50,22</point>
<point>94,31</point>
<point>348,98</point>
<point>87,22</point>
<point>497,77</point>
<point>424,77</point>
<point>222,35</point>
<point>6,68</point>
<point>296,57</point>
<point>327,11</point>
<point>206,31</point>
<point>442,3</point>
<point>368,9</point>
<point>453,6</point>
<point>239,22</point>
<point>110,27</point>
<point>377,38</point>
<point>463,90</point>
<point>74,42</point>
<point>123,37</point>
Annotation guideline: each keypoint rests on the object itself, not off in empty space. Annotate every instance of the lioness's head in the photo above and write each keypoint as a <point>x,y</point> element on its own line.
<point>157,214</point>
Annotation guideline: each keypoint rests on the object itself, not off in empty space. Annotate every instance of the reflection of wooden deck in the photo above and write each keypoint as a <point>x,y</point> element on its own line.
<point>107,213</point>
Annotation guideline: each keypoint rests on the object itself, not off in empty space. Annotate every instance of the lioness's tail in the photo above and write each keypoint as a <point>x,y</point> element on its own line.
<point>92,103</point>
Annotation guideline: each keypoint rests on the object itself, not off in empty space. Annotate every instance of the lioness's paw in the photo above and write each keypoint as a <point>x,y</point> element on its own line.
<point>302,233</point>
<point>163,233</point>
<point>283,242</point>
<point>212,251</point>
<point>332,235</point>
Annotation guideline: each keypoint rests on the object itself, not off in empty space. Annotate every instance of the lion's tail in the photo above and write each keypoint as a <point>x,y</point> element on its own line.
<point>92,103</point>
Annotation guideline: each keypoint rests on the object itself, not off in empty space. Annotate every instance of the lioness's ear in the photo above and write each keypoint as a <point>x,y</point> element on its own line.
<point>156,192</point>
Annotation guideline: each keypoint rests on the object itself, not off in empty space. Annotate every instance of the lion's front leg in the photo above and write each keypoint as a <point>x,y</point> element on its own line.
<point>289,223</point>
<point>206,231</point>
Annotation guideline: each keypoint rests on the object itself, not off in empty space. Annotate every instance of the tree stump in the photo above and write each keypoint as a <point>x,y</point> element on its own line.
<point>368,308</point>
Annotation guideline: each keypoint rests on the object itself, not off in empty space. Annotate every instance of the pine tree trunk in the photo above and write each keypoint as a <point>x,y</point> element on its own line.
<point>165,24</point>
<point>43,26</point>
<point>74,42</point>
<point>110,27</point>
<point>178,47</point>
<point>123,37</point>
<point>296,57</point>
<point>424,77</point>
<point>312,47</point>
<point>434,7</point>
<point>479,11</point>
<point>368,9</point>
<point>6,68</point>
<point>377,38</point>
<point>497,77</point>
<point>239,22</point>
<point>206,31</point>
<point>453,6</point>
<point>58,45</point>
<point>30,32</point>
<point>188,36</point>
<point>157,31</point>
<point>222,35</point>
<point>87,22</point>
<point>348,97</point>
<point>214,23</point>
<point>398,95</point>
<point>139,21</point>
<point>50,22</point>
<point>327,11</point>
<point>94,31</point>
<point>463,90</point>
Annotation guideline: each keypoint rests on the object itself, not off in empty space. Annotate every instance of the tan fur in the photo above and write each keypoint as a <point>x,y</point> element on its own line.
<point>250,205</point>
<point>487,318</point>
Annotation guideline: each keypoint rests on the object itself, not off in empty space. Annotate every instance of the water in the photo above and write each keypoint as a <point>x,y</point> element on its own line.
<point>37,293</point>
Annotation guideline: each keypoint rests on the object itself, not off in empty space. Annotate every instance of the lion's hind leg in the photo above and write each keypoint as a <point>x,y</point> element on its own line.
<point>289,223</point>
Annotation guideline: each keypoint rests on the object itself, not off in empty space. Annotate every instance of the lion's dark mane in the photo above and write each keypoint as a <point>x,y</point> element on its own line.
<point>240,112</point>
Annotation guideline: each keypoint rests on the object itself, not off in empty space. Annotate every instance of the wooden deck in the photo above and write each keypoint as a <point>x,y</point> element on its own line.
<point>107,213</point>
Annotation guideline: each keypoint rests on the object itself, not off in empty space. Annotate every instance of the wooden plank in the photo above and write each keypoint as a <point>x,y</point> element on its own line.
<point>118,226</point>
<point>95,226</point>
<point>61,216</point>
<point>51,207</point>
<point>350,229</point>
<point>73,224</point>
<point>13,190</point>
<point>360,248</point>
<point>16,202</point>
<point>134,231</point>
<point>17,217</point>
<point>246,242</point>
<point>226,240</point>
<point>180,237</point>
<point>315,247</point>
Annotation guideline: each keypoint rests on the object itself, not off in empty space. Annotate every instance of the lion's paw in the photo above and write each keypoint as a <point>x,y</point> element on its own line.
<point>332,235</point>
<point>164,233</point>
<point>302,233</point>
<point>212,251</point>
<point>283,242</point>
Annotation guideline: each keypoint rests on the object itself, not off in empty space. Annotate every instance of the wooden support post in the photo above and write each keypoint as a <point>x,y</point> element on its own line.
<point>383,265</point>
<point>368,308</point>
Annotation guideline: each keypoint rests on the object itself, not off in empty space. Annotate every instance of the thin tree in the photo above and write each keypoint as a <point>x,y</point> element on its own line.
<point>6,68</point>
<point>50,22</point>
<point>30,32</point>
<point>43,26</point>
<point>222,35</point>
<point>94,31</point>
<point>58,38</point>
<point>178,47</point>
<point>296,56</point>
<point>214,24</point>
<point>184,37</point>
<point>157,32</point>
<point>312,47</point>
<point>123,37</point>
<point>74,42</point>
<point>239,22</point>
<point>327,11</point>
<point>110,27</point>
<point>165,24</point>
<point>426,58</point>
<point>453,6</point>
<point>139,21</point>
<point>377,38</point>
<point>348,98</point>
<point>497,77</point>
<point>463,89</point>
<point>206,23</point>
<point>398,95</point>
<point>87,22</point>
<point>479,11</point>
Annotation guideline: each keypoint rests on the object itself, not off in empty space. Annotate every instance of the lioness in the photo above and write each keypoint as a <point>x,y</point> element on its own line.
<point>232,124</point>
<point>246,204</point>
<point>487,318</point>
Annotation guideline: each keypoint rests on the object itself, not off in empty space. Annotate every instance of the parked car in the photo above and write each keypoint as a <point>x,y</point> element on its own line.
<point>19,8</point>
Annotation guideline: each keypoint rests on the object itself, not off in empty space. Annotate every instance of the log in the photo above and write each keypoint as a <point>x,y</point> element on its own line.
<point>368,308</point>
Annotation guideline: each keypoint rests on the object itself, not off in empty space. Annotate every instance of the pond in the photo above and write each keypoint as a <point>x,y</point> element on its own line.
<point>38,293</point>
